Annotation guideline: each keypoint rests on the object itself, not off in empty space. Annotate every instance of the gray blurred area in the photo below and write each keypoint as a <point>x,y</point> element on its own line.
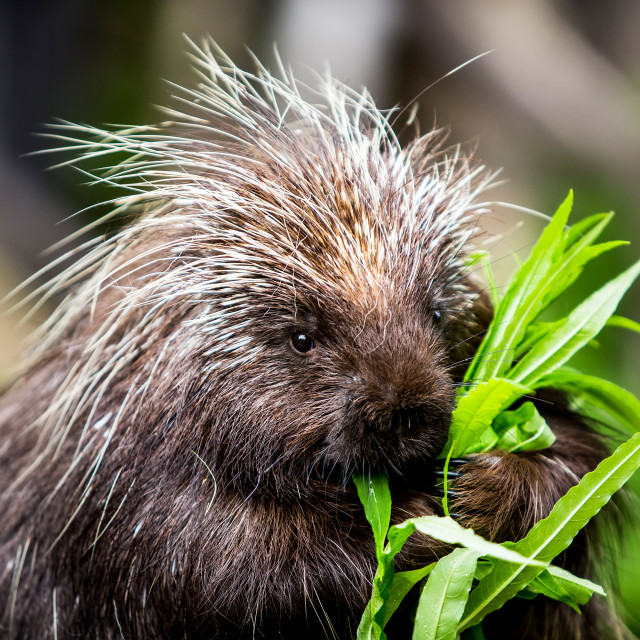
<point>556,103</point>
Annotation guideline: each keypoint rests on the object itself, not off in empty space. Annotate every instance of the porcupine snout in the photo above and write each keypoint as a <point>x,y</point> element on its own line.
<point>399,406</point>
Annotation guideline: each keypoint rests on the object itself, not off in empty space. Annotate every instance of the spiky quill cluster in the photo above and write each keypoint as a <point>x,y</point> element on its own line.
<point>251,191</point>
<point>166,450</point>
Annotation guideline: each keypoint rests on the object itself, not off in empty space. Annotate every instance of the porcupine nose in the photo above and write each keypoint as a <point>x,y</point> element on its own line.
<point>408,397</point>
<point>402,417</point>
<point>398,406</point>
<point>394,420</point>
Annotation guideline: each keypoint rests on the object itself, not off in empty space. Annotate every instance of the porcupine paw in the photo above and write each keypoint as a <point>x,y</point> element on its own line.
<point>492,493</point>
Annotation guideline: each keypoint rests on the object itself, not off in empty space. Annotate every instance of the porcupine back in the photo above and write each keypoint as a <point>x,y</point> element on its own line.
<point>168,461</point>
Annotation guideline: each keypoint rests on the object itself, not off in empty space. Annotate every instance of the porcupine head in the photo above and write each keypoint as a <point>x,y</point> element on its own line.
<point>290,304</point>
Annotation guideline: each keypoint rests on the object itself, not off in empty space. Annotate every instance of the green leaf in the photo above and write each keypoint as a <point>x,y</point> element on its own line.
<point>580,588</point>
<point>375,497</point>
<point>506,330</point>
<point>470,430</point>
<point>372,622</point>
<point>484,568</point>
<point>523,429</point>
<point>582,324</point>
<point>519,353</point>
<point>375,614</point>
<point>580,228</point>
<point>562,585</point>
<point>474,633</point>
<point>556,261</point>
<point>444,596</point>
<point>398,535</point>
<point>449,531</point>
<point>535,332</point>
<point>623,323</point>
<point>565,272</point>
<point>605,395</point>
<point>555,533</point>
<point>366,629</point>
<point>571,256</point>
<point>401,585</point>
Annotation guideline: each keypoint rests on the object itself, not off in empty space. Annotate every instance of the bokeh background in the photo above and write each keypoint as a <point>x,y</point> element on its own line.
<point>556,103</point>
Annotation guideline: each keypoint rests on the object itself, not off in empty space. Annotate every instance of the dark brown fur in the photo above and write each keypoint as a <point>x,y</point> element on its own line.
<point>277,546</point>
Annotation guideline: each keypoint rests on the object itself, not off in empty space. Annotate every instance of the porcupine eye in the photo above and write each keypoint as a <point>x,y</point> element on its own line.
<point>437,317</point>
<point>302,343</point>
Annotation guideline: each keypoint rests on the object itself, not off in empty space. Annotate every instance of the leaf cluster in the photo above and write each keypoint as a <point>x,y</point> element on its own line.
<point>520,354</point>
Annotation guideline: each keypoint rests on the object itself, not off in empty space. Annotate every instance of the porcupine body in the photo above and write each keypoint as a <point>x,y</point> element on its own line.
<point>290,305</point>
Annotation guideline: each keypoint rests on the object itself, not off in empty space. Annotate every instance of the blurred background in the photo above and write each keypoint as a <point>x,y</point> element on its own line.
<point>556,104</point>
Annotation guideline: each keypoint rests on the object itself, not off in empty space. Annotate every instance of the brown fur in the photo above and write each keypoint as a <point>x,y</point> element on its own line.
<point>209,496</point>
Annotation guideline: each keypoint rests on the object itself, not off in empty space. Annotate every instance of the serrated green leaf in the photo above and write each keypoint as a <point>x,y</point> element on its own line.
<point>444,596</point>
<point>523,429</point>
<point>555,533</point>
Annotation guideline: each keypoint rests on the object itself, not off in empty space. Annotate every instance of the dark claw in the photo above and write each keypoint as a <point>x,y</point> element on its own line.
<point>450,474</point>
<point>453,461</point>
<point>439,491</point>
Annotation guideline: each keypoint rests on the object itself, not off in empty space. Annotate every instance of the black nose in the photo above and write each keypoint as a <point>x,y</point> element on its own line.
<point>404,418</point>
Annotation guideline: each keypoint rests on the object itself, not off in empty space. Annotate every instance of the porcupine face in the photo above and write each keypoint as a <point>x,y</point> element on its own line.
<point>357,310</point>
<point>349,380</point>
<point>336,385</point>
<point>387,384</point>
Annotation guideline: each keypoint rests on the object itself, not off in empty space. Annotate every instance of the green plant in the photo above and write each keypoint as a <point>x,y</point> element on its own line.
<point>527,353</point>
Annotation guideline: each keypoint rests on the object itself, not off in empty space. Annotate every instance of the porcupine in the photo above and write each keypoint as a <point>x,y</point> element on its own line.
<point>290,304</point>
